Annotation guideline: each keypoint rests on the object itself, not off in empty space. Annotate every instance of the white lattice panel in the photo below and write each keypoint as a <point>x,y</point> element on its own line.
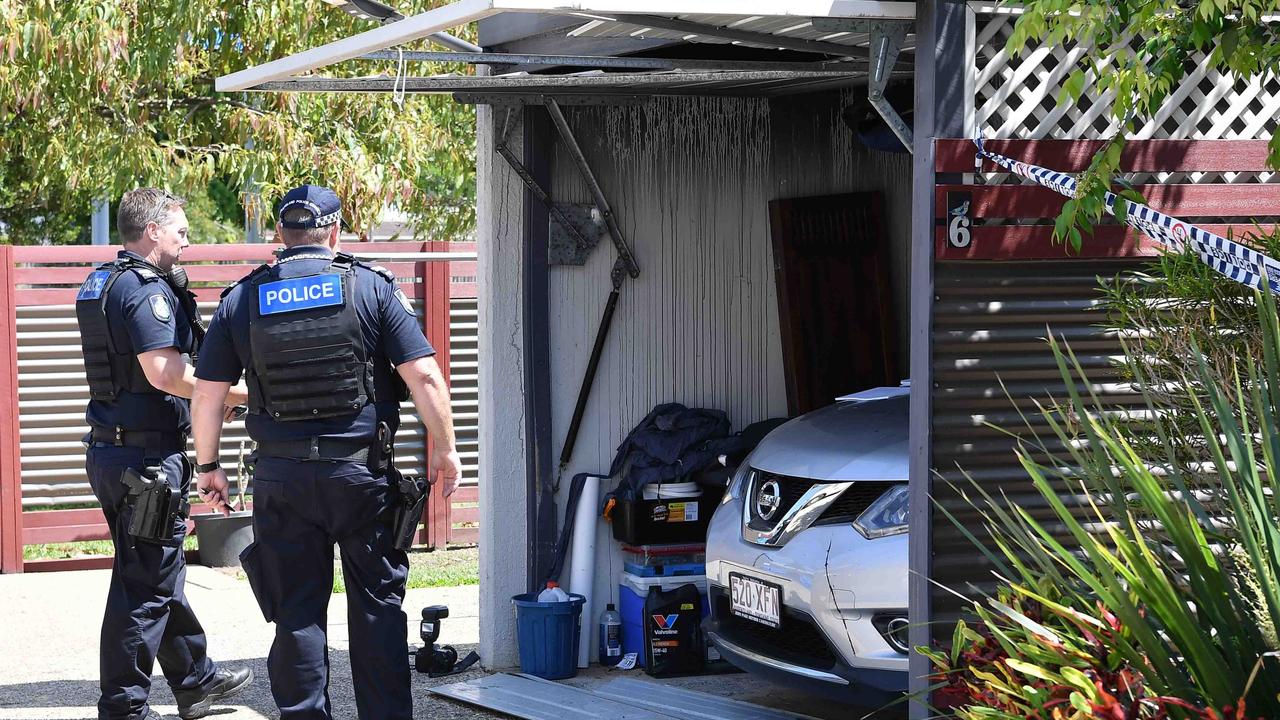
<point>1016,97</point>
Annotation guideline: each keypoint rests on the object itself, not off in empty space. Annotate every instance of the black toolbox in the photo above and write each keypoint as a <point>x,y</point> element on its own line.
<point>676,520</point>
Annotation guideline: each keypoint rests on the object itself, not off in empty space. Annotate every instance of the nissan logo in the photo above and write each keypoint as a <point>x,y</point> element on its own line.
<point>768,500</point>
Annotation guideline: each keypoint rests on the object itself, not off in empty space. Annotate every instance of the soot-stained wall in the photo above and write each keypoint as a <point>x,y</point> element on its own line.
<point>690,180</point>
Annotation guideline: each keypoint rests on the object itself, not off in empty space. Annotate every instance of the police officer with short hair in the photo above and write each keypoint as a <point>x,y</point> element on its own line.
<point>138,326</point>
<point>327,345</point>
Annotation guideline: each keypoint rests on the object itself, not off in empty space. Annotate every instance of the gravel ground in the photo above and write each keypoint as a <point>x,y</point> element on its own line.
<point>49,645</point>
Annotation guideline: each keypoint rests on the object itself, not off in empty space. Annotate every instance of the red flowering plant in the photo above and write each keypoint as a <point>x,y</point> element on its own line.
<point>1135,590</point>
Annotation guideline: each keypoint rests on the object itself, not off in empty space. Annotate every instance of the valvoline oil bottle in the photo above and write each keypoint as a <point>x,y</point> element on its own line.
<point>610,636</point>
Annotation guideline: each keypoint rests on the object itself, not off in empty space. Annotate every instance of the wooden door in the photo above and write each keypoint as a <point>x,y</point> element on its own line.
<point>835,309</point>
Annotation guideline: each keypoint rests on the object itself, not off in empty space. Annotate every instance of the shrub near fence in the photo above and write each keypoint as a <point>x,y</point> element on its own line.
<point>43,391</point>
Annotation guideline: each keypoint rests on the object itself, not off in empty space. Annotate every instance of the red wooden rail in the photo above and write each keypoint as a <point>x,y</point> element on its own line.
<point>10,456</point>
<point>56,279</point>
<point>956,156</point>
<point>996,209</point>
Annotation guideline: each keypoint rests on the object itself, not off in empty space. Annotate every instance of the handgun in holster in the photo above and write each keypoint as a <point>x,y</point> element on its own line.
<point>155,504</point>
<point>410,491</point>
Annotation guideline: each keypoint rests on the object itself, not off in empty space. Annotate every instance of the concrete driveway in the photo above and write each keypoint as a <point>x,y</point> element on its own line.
<point>49,651</point>
<point>49,645</point>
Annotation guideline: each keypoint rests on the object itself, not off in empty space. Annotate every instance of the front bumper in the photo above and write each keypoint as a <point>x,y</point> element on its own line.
<point>832,582</point>
<point>796,652</point>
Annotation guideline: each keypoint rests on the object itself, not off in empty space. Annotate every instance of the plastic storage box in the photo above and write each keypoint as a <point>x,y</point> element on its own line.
<point>683,520</point>
<point>665,560</point>
<point>632,591</point>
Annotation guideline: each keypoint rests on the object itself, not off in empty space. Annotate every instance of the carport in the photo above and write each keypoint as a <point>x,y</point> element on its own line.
<point>700,121</point>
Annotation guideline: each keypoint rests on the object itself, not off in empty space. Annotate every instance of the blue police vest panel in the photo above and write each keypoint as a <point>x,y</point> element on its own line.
<point>302,293</point>
<point>93,285</point>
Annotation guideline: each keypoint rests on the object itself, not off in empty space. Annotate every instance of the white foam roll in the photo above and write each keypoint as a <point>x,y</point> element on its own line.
<point>582,576</point>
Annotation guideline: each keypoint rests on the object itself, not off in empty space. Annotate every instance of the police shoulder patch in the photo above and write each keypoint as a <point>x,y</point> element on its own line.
<point>404,302</point>
<point>161,309</point>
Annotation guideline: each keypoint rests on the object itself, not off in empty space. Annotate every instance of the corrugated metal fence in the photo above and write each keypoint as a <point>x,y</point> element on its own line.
<point>1001,287</point>
<point>51,391</point>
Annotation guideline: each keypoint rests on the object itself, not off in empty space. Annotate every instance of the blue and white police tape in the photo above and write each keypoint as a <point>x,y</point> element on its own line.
<point>1238,262</point>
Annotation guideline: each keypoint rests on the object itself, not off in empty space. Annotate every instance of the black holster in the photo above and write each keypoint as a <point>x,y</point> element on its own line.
<point>155,504</point>
<point>412,491</point>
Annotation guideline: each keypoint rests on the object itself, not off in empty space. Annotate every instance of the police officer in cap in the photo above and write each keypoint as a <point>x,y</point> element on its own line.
<point>138,326</point>
<point>327,345</point>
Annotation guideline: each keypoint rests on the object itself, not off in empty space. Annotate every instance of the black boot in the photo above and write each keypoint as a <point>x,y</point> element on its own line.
<point>197,703</point>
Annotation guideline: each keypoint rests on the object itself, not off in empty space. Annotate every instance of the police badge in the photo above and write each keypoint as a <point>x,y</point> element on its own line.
<point>160,308</point>
<point>404,303</point>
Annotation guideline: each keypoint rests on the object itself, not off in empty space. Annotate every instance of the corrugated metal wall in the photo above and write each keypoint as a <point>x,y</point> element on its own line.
<point>53,395</point>
<point>990,324</point>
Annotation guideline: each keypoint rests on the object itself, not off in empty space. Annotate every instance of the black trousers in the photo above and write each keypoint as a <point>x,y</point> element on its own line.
<point>300,510</point>
<point>147,616</point>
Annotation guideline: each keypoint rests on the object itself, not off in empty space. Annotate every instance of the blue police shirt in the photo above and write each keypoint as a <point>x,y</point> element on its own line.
<point>144,315</point>
<point>391,331</point>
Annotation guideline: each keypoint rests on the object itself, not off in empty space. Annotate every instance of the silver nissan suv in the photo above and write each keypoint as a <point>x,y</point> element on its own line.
<point>807,553</point>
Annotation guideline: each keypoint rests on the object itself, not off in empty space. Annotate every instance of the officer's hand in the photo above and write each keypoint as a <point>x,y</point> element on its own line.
<point>212,487</point>
<point>446,466</point>
<point>228,413</point>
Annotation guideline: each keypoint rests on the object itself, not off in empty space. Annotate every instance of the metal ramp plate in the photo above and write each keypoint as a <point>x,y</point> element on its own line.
<point>534,699</point>
<point>688,703</point>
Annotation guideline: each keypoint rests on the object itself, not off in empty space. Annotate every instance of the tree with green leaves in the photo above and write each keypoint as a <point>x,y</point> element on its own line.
<point>99,96</point>
<point>1141,50</point>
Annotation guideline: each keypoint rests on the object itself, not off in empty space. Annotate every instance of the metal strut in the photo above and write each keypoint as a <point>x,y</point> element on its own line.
<point>627,260</point>
<point>523,173</point>
<point>625,264</point>
<point>886,43</point>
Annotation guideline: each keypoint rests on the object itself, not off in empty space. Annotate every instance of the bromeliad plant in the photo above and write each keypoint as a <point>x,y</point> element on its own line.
<point>1136,591</point>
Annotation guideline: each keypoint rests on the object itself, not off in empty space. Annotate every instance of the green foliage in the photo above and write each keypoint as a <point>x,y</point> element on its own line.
<point>99,96</point>
<point>1129,595</point>
<point>1166,316</point>
<point>1140,52</point>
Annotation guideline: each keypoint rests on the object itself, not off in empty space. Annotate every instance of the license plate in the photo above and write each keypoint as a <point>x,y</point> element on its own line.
<point>755,599</point>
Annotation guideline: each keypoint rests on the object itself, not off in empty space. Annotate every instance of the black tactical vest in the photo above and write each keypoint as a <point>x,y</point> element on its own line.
<point>111,370</point>
<point>308,355</point>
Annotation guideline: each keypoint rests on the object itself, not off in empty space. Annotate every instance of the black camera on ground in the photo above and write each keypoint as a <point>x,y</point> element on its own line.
<point>438,661</point>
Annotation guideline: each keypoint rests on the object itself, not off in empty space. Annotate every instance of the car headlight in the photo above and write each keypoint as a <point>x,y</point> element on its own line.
<point>887,515</point>
<point>738,485</point>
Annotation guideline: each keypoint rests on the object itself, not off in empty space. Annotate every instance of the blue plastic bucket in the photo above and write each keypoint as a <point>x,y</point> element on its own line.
<point>547,635</point>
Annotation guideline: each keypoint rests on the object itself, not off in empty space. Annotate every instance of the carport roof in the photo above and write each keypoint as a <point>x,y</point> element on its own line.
<point>820,27</point>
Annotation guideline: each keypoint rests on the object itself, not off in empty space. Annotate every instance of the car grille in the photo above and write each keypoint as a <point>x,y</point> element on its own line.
<point>853,501</point>
<point>796,641</point>
<point>793,488</point>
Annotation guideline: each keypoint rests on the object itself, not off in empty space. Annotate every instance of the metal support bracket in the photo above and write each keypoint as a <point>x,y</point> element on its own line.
<point>887,39</point>
<point>555,210</point>
<point>625,257</point>
<point>566,248</point>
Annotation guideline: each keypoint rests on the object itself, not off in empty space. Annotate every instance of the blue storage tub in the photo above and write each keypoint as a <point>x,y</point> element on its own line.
<point>547,635</point>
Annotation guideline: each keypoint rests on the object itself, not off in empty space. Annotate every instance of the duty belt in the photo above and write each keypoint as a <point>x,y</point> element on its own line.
<point>317,448</point>
<point>153,440</point>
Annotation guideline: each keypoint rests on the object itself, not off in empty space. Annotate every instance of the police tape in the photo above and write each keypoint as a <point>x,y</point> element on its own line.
<point>1227,257</point>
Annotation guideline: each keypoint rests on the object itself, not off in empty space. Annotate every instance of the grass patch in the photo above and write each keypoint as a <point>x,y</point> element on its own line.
<point>433,568</point>
<point>83,548</point>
